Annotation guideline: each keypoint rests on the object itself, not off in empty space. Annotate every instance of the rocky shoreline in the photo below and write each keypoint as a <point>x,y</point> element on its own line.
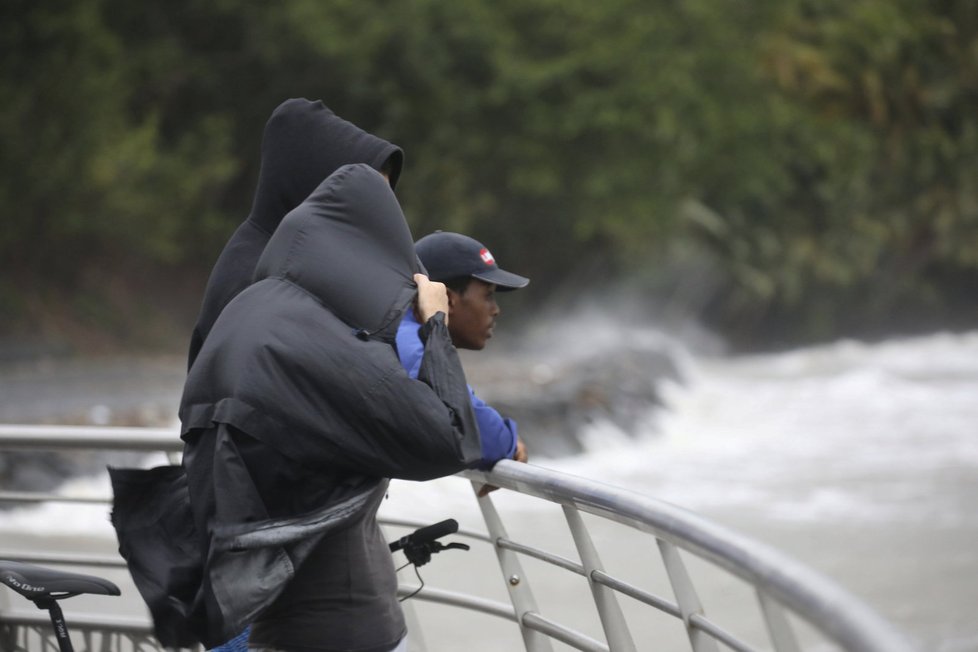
<point>557,400</point>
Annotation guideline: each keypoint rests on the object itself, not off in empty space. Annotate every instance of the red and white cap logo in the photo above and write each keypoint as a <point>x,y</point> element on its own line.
<point>486,257</point>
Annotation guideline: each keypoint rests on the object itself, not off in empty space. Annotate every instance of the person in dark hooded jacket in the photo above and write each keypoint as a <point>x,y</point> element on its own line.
<point>303,143</point>
<point>295,414</point>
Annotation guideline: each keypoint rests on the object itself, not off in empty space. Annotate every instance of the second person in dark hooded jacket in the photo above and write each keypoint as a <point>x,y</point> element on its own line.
<point>303,143</point>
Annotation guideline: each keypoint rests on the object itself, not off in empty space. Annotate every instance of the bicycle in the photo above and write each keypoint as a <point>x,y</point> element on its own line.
<point>46,586</point>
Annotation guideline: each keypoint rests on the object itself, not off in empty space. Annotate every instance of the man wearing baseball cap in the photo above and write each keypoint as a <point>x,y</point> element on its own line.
<point>472,277</point>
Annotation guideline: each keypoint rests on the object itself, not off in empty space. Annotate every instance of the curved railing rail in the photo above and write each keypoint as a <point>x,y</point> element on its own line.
<point>785,589</point>
<point>780,582</point>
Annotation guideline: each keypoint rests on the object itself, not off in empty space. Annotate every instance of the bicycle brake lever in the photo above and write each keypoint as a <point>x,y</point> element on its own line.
<point>438,546</point>
<point>456,546</point>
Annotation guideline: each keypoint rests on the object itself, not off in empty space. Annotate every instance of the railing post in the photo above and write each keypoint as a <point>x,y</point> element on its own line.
<point>686,598</point>
<point>516,581</point>
<point>612,620</point>
<point>778,627</point>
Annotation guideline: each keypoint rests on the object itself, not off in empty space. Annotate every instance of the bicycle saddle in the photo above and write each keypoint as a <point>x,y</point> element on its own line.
<point>37,583</point>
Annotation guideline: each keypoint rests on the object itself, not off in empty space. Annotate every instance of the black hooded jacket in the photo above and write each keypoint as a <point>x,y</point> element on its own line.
<point>295,413</point>
<point>303,143</point>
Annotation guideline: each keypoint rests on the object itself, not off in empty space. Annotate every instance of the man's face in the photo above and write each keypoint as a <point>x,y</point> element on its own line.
<point>472,314</point>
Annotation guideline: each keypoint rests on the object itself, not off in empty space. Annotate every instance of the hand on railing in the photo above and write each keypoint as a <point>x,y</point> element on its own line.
<point>520,455</point>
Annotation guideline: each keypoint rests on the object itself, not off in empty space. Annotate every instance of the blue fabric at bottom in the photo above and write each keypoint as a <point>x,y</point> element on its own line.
<point>237,644</point>
<point>401,647</point>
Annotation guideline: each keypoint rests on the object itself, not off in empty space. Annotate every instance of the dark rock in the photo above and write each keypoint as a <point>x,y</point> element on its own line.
<point>554,399</point>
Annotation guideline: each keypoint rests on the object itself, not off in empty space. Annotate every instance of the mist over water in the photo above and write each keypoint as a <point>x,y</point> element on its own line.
<point>860,460</point>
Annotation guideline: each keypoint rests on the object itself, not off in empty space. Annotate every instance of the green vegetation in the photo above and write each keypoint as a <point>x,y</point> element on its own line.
<point>784,170</point>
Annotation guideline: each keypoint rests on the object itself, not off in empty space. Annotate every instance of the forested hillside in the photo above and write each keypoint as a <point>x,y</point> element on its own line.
<point>783,171</point>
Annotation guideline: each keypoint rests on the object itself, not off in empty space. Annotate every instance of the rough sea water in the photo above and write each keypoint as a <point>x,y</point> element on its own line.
<point>859,460</point>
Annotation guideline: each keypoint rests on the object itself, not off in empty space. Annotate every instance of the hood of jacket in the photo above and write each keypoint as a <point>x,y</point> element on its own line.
<point>349,246</point>
<point>303,143</point>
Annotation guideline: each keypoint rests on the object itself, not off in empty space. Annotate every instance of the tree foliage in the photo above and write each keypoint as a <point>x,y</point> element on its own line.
<point>812,165</point>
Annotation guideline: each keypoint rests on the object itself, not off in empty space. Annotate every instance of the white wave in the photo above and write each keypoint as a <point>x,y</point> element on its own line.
<point>65,518</point>
<point>813,433</point>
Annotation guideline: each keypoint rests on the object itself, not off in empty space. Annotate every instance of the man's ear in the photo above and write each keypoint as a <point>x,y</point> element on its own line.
<point>453,299</point>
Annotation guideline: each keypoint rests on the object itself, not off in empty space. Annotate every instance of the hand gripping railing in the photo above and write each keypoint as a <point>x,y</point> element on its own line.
<point>783,586</point>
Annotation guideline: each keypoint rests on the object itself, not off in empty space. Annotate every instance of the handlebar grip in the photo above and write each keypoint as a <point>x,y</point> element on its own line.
<point>426,534</point>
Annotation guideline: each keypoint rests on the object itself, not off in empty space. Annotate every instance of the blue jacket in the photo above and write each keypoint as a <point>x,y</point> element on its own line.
<point>498,433</point>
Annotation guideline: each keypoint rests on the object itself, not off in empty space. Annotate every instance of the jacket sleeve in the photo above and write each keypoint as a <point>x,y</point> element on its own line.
<point>375,420</point>
<point>497,432</point>
<point>326,397</point>
<point>441,370</point>
<point>428,425</point>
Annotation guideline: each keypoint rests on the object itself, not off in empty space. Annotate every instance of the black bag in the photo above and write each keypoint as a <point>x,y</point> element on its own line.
<point>157,538</point>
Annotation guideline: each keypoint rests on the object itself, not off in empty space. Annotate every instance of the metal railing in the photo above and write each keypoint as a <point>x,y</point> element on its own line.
<point>786,591</point>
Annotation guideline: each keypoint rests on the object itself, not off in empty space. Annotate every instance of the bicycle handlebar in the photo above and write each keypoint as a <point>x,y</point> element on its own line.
<point>426,534</point>
<point>422,543</point>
